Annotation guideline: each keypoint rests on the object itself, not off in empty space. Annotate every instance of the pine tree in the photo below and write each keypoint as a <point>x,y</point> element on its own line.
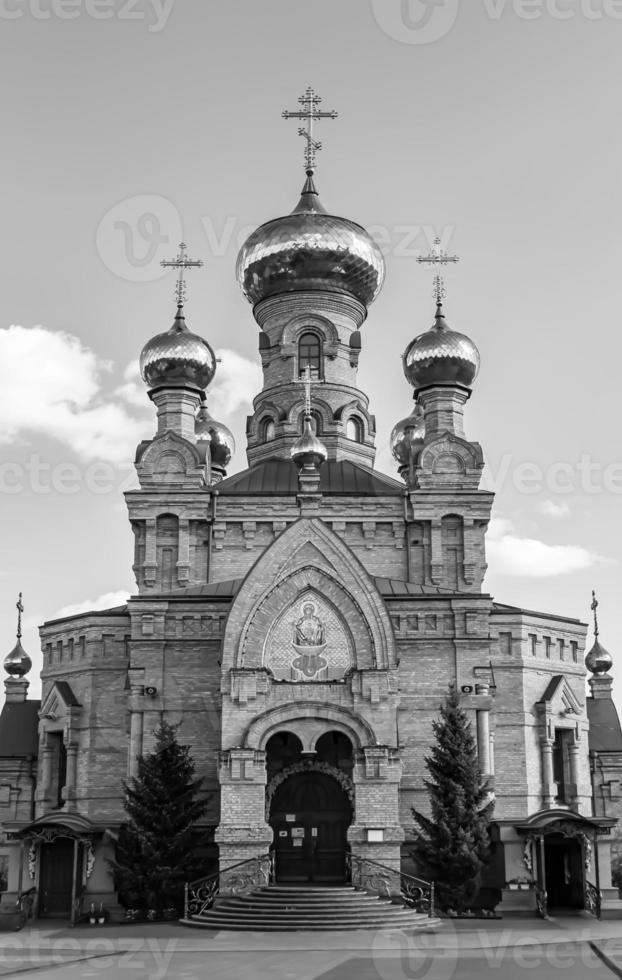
<point>155,853</point>
<point>453,844</point>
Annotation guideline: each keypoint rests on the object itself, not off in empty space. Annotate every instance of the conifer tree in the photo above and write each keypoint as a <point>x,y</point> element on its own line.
<point>155,852</point>
<point>452,847</point>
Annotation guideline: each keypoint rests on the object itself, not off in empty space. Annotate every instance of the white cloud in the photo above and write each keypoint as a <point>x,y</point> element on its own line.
<point>509,554</point>
<point>51,384</point>
<point>236,383</point>
<point>106,601</point>
<point>551,509</point>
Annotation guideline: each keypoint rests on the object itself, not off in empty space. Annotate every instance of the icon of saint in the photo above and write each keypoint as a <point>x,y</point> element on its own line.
<point>309,628</point>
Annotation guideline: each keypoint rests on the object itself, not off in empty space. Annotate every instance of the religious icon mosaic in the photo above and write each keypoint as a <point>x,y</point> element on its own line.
<point>308,642</point>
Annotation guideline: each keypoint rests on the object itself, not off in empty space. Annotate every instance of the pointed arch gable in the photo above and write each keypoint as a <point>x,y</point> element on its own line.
<point>308,555</point>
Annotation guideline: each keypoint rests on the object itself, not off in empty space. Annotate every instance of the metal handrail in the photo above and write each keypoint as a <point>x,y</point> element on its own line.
<point>200,894</point>
<point>415,892</point>
<point>593,899</point>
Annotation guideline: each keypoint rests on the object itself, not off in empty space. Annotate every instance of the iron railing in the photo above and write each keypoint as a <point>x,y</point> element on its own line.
<point>371,876</point>
<point>238,879</point>
<point>593,898</point>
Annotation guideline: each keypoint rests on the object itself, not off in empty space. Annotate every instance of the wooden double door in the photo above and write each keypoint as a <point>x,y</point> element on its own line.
<point>310,816</point>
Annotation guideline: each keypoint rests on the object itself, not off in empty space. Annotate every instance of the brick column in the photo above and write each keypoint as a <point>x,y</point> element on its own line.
<point>377,833</point>
<point>183,552</point>
<point>137,708</point>
<point>548,784</point>
<point>243,832</point>
<point>69,790</point>
<point>150,564</point>
<point>573,789</point>
<point>483,741</point>
<point>436,553</point>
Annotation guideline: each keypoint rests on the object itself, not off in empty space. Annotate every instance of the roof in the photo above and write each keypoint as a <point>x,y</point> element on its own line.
<point>115,611</point>
<point>211,590</point>
<point>605,734</point>
<point>280,476</point>
<point>392,588</point>
<point>19,729</point>
<point>500,608</point>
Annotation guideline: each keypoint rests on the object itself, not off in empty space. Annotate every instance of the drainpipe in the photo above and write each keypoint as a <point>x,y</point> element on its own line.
<point>406,535</point>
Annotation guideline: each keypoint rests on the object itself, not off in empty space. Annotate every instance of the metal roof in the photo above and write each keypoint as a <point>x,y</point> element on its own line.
<point>280,476</point>
<point>605,734</point>
<point>19,729</point>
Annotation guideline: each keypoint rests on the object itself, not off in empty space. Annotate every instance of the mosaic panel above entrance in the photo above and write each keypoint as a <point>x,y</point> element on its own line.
<point>308,643</point>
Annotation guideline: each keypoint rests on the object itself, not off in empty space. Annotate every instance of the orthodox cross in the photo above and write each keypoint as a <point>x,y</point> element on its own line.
<point>438,258</point>
<point>307,381</point>
<point>182,262</point>
<point>20,608</point>
<point>310,113</point>
<point>594,607</point>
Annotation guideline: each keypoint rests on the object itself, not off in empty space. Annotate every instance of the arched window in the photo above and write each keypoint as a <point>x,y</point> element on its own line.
<point>354,429</point>
<point>316,423</point>
<point>267,430</point>
<point>310,354</point>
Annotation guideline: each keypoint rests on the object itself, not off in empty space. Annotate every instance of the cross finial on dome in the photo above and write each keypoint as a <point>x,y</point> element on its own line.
<point>310,113</point>
<point>438,258</point>
<point>20,608</point>
<point>182,262</point>
<point>594,607</point>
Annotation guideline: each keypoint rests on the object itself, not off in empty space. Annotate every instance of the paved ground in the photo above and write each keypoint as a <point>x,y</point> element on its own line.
<point>466,950</point>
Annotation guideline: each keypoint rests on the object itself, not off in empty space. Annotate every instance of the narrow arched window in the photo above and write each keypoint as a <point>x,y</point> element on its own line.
<point>310,354</point>
<point>354,429</point>
<point>267,430</point>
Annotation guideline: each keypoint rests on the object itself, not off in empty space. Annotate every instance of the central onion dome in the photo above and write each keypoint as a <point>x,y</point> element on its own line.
<point>441,356</point>
<point>222,443</point>
<point>310,250</point>
<point>408,436</point>
<point>177,358</point>
<point>17,663</point>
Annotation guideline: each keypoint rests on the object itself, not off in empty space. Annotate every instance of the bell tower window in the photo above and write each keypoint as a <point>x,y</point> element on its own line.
<point>268,430</point>
<point>354,430</point>
<point>310,354</point>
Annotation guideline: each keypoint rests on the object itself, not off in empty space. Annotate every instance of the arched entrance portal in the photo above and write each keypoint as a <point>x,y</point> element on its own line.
<point>564,872</point>
<point>310,807</point>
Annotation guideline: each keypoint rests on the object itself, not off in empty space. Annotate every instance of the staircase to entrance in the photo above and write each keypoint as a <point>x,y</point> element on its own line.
<point>245,897</point>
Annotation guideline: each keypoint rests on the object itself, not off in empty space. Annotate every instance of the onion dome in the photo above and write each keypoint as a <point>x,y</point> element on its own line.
<point>222,443</point>
<point>17,663</point>
<point>598,660</point>
<point>310,250</point>
<point>308,449</point>
<point>177,358</point>
<point>441,356</point>
<point>407,437</point>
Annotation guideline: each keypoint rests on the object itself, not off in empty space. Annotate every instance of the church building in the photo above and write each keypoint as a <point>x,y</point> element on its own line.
<point>303,619</point>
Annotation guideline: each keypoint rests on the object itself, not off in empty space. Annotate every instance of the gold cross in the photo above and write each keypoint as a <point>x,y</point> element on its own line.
<point>182,262</point>
<point>310,113</point>
<point>594,607</point>
<point>438,258</point>
<point>20,608</point>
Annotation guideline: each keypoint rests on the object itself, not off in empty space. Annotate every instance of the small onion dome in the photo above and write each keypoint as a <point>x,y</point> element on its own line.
<point>441,356</point>
<point>222,443</point>
<point>177,358</point>
<point>310,250</point>
<point>598,660</point>
<point>17,663</point>
<point>308,448</point>
<point>407,437</point>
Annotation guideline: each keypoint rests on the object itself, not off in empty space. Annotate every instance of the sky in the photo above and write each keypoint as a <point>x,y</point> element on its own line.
<point>129,124</point>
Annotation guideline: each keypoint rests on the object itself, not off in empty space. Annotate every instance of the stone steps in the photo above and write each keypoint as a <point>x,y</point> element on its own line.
<point>280,908</point>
